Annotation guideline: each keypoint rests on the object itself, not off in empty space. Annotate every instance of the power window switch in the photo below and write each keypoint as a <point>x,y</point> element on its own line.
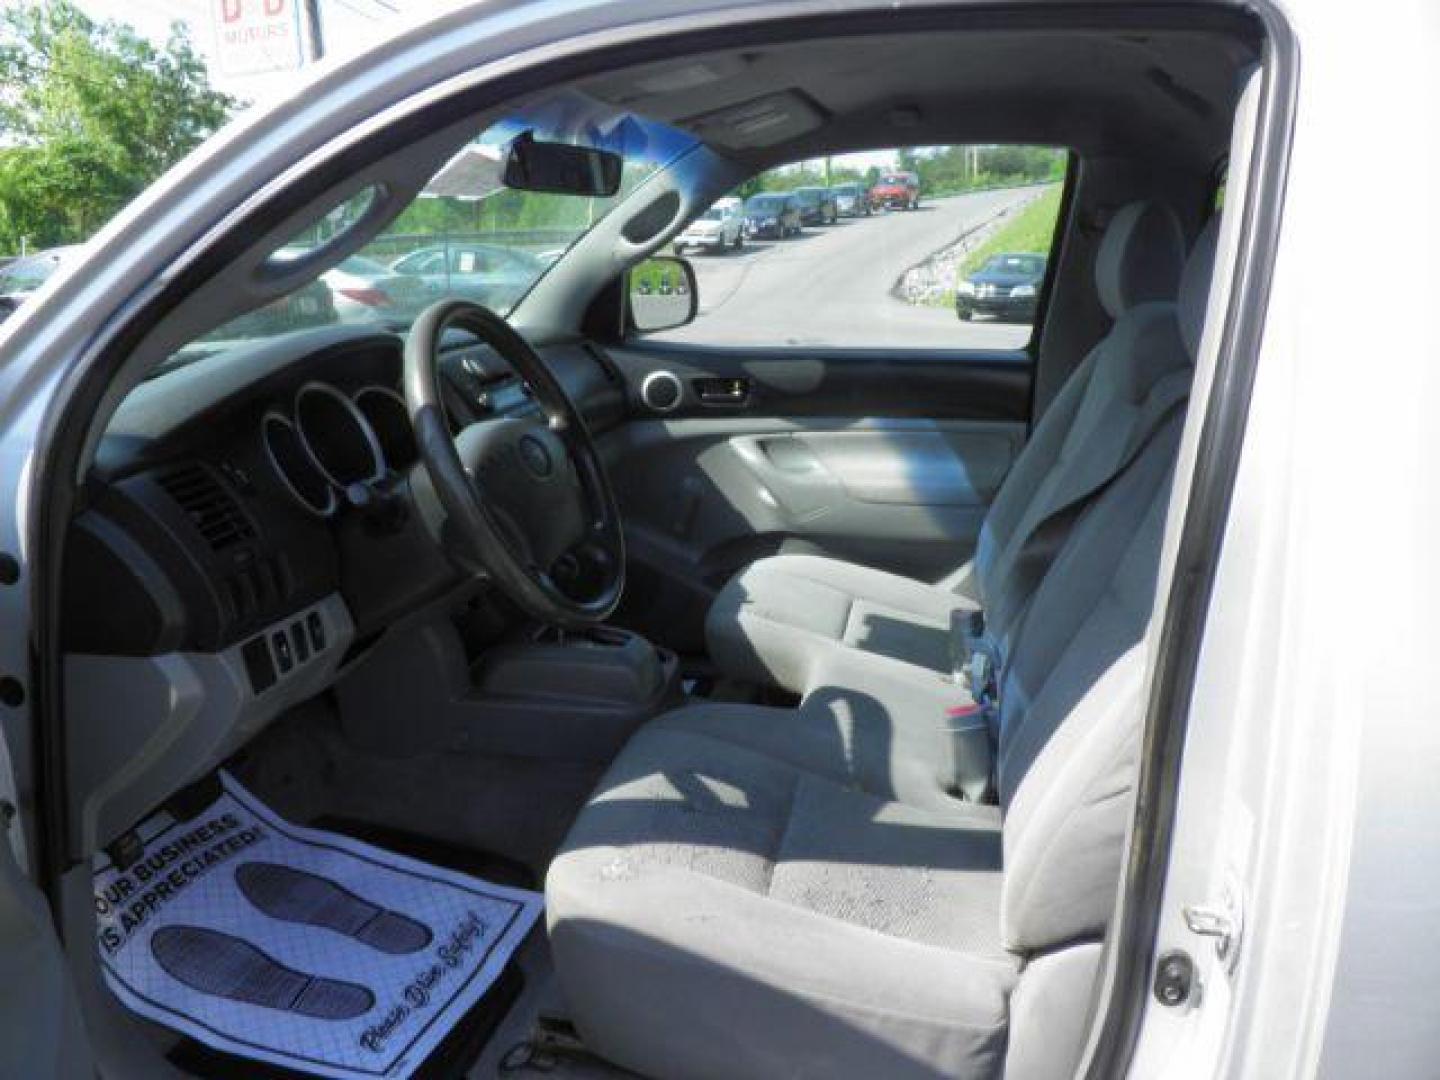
<point>316,626</point>
<point>300,641</point>
<point>258,664</point>
<point>284,657</point>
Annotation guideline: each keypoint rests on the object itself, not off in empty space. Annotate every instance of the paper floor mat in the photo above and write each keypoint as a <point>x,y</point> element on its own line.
<point>298,947</point>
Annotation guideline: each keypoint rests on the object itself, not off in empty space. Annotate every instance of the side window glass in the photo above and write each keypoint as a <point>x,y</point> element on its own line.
<point>913,248</point>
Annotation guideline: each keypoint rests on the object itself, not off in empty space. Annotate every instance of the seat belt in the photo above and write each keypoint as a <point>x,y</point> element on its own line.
<point>975,659</point>
<point>975,653</point>
<point>1043,542</point>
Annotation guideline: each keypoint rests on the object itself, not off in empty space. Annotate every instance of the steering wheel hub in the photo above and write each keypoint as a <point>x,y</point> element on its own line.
<point>536,457</point>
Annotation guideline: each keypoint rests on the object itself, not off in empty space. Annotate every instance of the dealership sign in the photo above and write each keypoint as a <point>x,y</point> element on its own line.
<point>255,36</point>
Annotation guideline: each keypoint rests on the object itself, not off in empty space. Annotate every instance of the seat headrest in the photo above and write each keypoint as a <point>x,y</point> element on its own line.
<point>1140,257</point>
<point>1195,287</point>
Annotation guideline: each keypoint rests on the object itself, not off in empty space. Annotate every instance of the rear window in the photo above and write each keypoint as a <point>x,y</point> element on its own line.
<point>956,262</point>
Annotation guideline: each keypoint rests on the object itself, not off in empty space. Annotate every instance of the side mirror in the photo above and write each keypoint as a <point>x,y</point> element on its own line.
<point>661,294</point>
<point>561,169</point>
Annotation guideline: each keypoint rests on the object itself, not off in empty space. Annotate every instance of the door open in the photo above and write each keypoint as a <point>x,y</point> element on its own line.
<point>41,1033</point>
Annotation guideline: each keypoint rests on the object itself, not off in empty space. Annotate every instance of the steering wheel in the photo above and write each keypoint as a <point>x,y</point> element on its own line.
<point>518,495</point>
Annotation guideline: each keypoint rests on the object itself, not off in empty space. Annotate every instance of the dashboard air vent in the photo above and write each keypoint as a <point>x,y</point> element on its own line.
<point>209,506</point>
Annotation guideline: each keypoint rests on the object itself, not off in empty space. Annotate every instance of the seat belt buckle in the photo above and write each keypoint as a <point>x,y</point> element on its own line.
<point>966,629</point>
<point>972,656</point>
<point>980,677</point>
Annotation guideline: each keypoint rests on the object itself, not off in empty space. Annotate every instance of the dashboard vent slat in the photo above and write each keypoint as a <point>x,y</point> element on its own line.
<point>209,506</point>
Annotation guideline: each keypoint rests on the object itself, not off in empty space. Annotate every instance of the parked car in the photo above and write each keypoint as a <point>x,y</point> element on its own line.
<point>772,215</point>
<point>21,277</point>
<point>896,191</point>
<point>489,274</point>
<point>850,200</point>
<point>719,229</point>
<point>1007,286</point>
<point>817,205</point>
<point>308,306</point>
<point>369,291</point>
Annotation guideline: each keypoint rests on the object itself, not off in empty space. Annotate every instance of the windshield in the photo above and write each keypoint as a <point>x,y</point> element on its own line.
<point>466,234</point>
<point>769,204</point>
<point>1016,264</point>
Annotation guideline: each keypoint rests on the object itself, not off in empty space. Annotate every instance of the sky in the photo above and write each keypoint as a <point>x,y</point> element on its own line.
<point>348,26</point>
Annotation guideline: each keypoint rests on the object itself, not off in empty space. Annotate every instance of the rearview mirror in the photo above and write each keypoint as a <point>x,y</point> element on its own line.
<point>662,294</point>
<point>561,169</point>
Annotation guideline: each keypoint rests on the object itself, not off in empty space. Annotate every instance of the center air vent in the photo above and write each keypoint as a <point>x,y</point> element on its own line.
<point>209,506</point>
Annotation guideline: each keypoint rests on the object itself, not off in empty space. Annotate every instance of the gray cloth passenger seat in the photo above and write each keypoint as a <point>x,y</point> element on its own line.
<point>781,618</point>
<point>748,894</point>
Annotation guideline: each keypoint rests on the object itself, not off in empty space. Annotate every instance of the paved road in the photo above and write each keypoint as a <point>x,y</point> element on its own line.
<point>831,285</point>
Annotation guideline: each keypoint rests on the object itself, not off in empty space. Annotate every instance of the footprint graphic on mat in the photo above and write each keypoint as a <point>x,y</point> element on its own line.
<point>225,966</point>
<point>283,892</point>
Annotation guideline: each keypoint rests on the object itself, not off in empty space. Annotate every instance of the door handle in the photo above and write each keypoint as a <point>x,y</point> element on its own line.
<point>729,392</point>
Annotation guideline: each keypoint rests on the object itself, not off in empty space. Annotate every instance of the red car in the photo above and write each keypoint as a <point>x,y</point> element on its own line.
<point>896,191</point>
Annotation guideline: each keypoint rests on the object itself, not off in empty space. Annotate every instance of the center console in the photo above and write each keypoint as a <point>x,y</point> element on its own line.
<point>555,694</point>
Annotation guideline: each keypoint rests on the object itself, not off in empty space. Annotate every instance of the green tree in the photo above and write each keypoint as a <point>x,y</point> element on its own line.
<point>90,114</point>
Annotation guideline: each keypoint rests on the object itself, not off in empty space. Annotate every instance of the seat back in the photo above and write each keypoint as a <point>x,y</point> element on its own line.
<point>1071,697</point>
<point>1070,706</point>
<point>1111,403</point>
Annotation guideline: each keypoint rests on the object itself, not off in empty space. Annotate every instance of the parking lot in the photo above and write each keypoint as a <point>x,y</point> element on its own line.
<point>832,285</point>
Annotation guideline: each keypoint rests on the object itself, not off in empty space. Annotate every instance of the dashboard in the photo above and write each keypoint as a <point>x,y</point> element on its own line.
<point>235,494</point>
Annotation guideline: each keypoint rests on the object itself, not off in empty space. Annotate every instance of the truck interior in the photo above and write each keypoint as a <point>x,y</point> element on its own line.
<point>808,683</point>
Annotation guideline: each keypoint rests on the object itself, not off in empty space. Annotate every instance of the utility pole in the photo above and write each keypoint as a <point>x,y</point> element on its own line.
<point>314,35</point>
